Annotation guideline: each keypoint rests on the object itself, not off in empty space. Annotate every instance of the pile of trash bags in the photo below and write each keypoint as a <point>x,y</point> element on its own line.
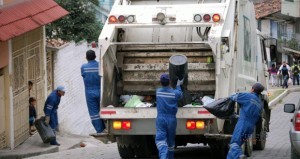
<point>134,101</point>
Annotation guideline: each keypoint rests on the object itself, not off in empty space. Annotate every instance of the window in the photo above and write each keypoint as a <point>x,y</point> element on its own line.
<point>290,0</point>
<point>297,26</point>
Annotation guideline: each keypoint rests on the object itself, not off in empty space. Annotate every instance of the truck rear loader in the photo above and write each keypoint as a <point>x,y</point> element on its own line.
<point>225,53</point>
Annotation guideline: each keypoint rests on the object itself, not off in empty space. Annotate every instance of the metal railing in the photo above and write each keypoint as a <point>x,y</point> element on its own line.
<point>290,41</point>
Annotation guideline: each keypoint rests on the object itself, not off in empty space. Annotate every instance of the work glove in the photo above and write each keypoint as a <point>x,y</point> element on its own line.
<point>47,120</point>
<point>179,82</point>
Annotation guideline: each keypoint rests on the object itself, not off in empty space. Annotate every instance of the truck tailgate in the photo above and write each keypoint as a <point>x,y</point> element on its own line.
<point>149,113</point>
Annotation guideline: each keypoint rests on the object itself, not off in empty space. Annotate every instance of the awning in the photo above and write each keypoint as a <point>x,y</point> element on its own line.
<point>21,17</point>
<point>292,51</point>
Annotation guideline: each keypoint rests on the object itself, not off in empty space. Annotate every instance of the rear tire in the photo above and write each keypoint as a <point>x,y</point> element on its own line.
<point>294,153</point>
<point>126,152</point>
<point>261,133</point>
<point>249,147</point>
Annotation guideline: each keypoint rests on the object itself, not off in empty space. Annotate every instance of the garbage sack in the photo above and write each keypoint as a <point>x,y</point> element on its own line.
<point>44,130</point>
<point>145,105</point>
<point>133,102</point>
<point>222,108</point>
<point>206,100</point>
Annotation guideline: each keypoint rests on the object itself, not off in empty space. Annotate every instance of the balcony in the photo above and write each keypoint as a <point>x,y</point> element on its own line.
<point>289,43</point>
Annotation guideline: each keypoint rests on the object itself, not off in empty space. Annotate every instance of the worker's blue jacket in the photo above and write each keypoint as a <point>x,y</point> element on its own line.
<point>166,122</point>
<point>166,100</point>
<point>91,78</point>
<point>90,74</point>
<point>50,108</point>
<point>250,112</point>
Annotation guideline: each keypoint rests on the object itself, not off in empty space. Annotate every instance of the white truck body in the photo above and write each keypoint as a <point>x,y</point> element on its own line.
<point>229,58</point>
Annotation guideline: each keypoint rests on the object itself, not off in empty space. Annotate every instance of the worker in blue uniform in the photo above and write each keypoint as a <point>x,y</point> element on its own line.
<point>50,110</point>
<point>250,112</point>
<point>91,79</point>
<point>166,122</point>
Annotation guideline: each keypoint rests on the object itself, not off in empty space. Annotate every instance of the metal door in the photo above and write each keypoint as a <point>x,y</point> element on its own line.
<point>3,136</point>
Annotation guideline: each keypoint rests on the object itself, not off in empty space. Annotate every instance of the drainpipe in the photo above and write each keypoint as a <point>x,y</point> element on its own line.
<point>11,101</point>
<point>45,63</point>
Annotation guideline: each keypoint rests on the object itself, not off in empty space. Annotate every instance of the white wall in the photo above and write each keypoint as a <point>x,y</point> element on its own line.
<point>265,27</point>
<point>72,113</point>
<point>291,8</point>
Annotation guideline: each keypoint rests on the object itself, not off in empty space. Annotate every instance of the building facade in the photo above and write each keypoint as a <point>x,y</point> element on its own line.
<point>22,59</point>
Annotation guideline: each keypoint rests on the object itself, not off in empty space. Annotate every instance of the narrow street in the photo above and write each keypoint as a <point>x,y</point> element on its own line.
<point>278,143</point>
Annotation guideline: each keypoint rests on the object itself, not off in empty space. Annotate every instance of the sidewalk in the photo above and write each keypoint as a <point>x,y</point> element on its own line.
<point>34,146</point>
<point>282,93</point>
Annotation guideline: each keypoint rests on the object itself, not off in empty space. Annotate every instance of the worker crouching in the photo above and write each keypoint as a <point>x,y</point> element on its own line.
<point>166,122</point>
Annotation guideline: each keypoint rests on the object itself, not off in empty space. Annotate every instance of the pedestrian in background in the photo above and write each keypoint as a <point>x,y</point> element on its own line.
<point>285,71</point>
<point>273,74</point>
<point>250,112</point>
<point>295,71</point>
<point>32,115</point>
<point>166,122</point>
<point>50,110</point>
<point>91,79</point>
<point>279,75</point>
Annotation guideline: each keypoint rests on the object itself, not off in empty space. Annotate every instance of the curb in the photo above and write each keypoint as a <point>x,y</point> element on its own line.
<point>20,155</point>
<point>281,96</point>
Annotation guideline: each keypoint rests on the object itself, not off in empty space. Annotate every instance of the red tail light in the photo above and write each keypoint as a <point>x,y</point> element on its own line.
<point>190,125</point>
<point>297,122</point>
<point>121,18</point>
<point>126,125</point>
<point>112,19</point>
<point>206,17</point>
<point>216,18</point>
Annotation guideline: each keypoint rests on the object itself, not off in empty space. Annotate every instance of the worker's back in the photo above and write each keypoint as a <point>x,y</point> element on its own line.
<point>166,99</point>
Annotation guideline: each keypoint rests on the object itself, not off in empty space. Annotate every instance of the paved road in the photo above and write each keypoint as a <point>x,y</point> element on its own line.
<point>278,145</point>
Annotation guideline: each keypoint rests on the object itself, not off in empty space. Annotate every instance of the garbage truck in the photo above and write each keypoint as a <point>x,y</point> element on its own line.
<point>225,52</point>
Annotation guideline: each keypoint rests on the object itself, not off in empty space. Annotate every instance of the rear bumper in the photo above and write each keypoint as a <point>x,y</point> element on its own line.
<point>295,139</point>
<point>147,127</point>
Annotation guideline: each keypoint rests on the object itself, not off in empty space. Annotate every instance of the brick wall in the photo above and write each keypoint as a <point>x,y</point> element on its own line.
<point>73,114</point>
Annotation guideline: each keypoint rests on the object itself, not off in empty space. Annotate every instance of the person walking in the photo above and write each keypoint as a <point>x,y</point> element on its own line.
<point>50,110</point>
<point>295,71</point>
<point>285,71</point>
<point>273,73</point>
<point>250,112</point>
<point>92,79</point>
<point>166,122</point>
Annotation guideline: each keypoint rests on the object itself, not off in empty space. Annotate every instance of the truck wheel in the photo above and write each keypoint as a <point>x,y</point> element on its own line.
<point>249,147</point>
<point>126,152</point>
<point>261,133</point>
<point>145,147</point>
<point>219,149</point>
<point>294,153</point>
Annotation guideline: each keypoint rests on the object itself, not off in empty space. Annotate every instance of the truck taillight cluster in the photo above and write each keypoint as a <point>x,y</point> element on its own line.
<point>297,122</point>
<point>121,19</point>
<point>195,124</point>
<point>207,18</point>
<point>121,125</point>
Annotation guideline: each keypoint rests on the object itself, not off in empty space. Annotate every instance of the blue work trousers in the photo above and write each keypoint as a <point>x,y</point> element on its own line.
<point>93,103</point>
<point>165,135</point>
<point>243,130</point>
<point>285,81</point>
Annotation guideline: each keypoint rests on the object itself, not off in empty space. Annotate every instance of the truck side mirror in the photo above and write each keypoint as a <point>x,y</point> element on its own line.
<point>289,108</point>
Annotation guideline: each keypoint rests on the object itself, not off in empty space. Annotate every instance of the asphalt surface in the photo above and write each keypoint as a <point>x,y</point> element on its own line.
<point>277,146</point>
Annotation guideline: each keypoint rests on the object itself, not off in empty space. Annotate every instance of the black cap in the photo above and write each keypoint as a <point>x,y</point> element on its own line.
<point>90,55</point>
<point>258,88</point>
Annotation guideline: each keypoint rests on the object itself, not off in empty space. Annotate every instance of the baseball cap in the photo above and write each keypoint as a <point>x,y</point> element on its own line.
<point>164,77</point>
<point>61,88</point>
<point>258,88</point>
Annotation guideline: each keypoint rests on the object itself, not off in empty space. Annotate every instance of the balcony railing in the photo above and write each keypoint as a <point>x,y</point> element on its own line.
<point>290,41</point>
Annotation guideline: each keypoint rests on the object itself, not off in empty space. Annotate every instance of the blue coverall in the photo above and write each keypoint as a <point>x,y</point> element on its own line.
<point>50,109</point>
<point>250,112</point>
<point>166,122</point>
<point>91,78</point>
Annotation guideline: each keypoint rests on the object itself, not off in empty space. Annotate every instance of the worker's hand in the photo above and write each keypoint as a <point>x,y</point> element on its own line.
<point>47,120</point>
<point>180,82</point>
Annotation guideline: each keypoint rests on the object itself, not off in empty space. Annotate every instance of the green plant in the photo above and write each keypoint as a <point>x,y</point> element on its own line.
<point>293,44</point>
